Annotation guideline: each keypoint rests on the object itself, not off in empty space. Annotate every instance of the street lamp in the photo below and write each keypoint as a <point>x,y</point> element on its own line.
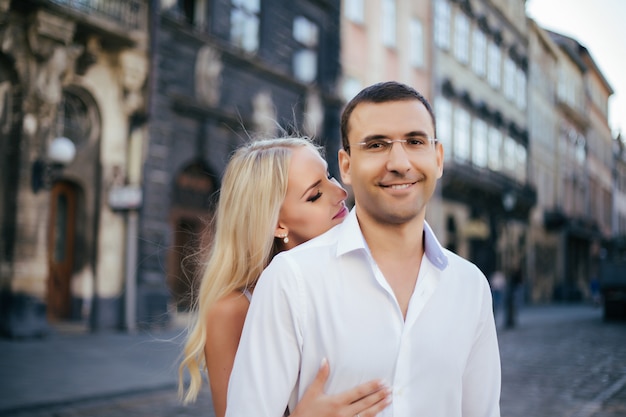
<point>509,200</point>
<point>61,152</point>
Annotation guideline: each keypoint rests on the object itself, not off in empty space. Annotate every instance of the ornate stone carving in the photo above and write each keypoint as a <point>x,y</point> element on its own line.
<point>44,60</point>
<point>47,31</point>
<point>6,104</point>
<point>208,76</point>
<point>134,66</point>
<point>264,114</point>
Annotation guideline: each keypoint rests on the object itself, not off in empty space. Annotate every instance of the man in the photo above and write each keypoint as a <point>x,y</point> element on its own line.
<point>377,296</point>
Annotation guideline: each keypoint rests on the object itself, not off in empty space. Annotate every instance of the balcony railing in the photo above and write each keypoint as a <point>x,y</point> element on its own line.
<point>128,14</point>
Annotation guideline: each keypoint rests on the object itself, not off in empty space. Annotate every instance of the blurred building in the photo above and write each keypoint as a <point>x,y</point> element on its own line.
<point>530,183</point>
<point>223,72</point>
<point>579,211</point>
<point>619,188</point>
<point>470,59</point>
<point>71,92</point>
<point>480,79</point>
<point>546,260</point>
<point>149,99</point>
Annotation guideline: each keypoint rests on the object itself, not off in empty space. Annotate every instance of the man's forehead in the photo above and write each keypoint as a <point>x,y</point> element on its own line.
<point>367,114</point>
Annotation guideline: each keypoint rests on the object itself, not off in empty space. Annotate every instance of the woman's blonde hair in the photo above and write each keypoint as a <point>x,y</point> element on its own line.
<point>252,192</point>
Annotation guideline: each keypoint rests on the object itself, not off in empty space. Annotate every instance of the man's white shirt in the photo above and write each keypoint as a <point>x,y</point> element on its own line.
<point>328,299</point>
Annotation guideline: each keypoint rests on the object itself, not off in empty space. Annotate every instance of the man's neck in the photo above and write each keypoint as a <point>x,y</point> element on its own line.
<point>397,241</point>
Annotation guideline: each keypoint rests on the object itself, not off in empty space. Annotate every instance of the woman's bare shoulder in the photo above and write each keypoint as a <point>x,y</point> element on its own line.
<point>228,310</point>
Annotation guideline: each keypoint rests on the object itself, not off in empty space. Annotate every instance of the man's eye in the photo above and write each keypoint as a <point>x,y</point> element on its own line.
<point>375,145</point>
<point>416,141</point>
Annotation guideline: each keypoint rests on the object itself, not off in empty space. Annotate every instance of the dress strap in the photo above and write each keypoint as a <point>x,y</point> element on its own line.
<point>247,293</point>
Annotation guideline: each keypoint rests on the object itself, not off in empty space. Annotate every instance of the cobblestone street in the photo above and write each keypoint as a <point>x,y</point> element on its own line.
<point>558,361</point>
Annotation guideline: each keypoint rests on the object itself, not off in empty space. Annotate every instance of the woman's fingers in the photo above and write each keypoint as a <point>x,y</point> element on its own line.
<point>373,403</point>
<point>366,400</point>
<point>317,386</point>
<point>362,391</point>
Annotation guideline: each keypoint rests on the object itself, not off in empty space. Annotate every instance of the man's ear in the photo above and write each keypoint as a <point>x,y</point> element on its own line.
<point>344,166</point>
<point>440,155</point>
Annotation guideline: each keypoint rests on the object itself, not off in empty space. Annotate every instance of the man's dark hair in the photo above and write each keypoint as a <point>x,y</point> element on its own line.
<point>381,93</point>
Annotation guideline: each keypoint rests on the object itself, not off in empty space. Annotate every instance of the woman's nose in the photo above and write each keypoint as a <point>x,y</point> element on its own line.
<point>341,193</point>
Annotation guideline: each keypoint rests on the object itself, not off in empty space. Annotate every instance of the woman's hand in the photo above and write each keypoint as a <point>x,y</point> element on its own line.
<point>365,400</point>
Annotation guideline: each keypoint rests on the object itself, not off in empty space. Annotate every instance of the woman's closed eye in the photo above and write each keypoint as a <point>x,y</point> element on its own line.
<point>314,197</point>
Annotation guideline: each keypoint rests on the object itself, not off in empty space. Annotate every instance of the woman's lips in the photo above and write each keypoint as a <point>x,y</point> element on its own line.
<point>341,213</point>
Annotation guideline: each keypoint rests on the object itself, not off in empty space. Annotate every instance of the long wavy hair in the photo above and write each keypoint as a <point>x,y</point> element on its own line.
<point>253,190</point>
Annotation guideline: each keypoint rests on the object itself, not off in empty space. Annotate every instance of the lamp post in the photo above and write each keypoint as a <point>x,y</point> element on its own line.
<point>61,152</point>
<point>509,200</point>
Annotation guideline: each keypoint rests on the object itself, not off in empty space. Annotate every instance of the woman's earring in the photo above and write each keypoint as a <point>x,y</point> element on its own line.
<point>285,239</point>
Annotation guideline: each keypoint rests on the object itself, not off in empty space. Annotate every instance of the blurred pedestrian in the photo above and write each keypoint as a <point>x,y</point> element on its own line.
<point>498,286</point>
<point>275,195</point>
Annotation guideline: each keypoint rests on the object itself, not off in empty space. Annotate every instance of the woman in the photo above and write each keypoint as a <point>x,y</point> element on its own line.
<point>275,195</point>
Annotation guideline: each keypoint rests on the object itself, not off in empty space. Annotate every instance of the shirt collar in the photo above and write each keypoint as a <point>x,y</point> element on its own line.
<point>351,238</point>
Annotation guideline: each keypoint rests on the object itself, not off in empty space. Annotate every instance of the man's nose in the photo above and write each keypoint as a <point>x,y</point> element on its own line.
<point>398,158</point>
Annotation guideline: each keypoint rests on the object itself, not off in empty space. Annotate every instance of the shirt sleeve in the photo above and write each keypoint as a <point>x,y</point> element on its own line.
<point>482,376</point>
<point>266,366</point>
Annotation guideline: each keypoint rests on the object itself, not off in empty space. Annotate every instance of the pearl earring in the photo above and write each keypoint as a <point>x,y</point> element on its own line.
<point>285,239</point>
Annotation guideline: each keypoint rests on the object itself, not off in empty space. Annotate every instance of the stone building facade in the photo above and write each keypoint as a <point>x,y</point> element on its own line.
<point>72,86</point>
<point>225,72</point>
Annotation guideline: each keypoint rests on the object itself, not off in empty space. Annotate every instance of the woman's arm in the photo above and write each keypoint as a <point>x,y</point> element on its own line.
<point>224,324</point>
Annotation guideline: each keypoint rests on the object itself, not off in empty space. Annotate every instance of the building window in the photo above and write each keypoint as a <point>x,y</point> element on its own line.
<point>479,143</point>
<point>579,149</point>
<point>306,33</point>
<point>442,24</point>
<point>443,109</point>
<point>479,52</point>
<point>510,155</point>
<point>495,61</point>
<point>354,10</point>
<point>193,11</point>
<point>461,38</point>
<point>521,89</point>
<point>389,23</point>
<point>417,43</point>
<point>244,24</point>
<point>461,145</point>
<point>495,145</point>
<point>509,79</point>
<point>350,87</point>
<point>522,157</point>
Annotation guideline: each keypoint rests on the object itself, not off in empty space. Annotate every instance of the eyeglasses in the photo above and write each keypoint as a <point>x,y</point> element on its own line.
<point>416,144</point>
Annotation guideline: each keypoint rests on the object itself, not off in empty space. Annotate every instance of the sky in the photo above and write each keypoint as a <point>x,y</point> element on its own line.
<point>599,26</point>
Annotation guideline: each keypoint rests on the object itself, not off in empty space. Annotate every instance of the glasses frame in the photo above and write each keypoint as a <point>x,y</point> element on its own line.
<point>390,142</point>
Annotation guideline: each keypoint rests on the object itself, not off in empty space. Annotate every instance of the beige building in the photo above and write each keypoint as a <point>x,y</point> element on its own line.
<point>583,214</point>
<point>71,107</point>
<point>545,257</point>
<point>385,40</point>
<point>480,73</point>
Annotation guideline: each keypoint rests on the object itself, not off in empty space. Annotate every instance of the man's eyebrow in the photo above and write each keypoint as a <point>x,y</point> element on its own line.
<point>316,184</point>
<point>374,137</point>
<point>406,135</point>
<point>416,133</point>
